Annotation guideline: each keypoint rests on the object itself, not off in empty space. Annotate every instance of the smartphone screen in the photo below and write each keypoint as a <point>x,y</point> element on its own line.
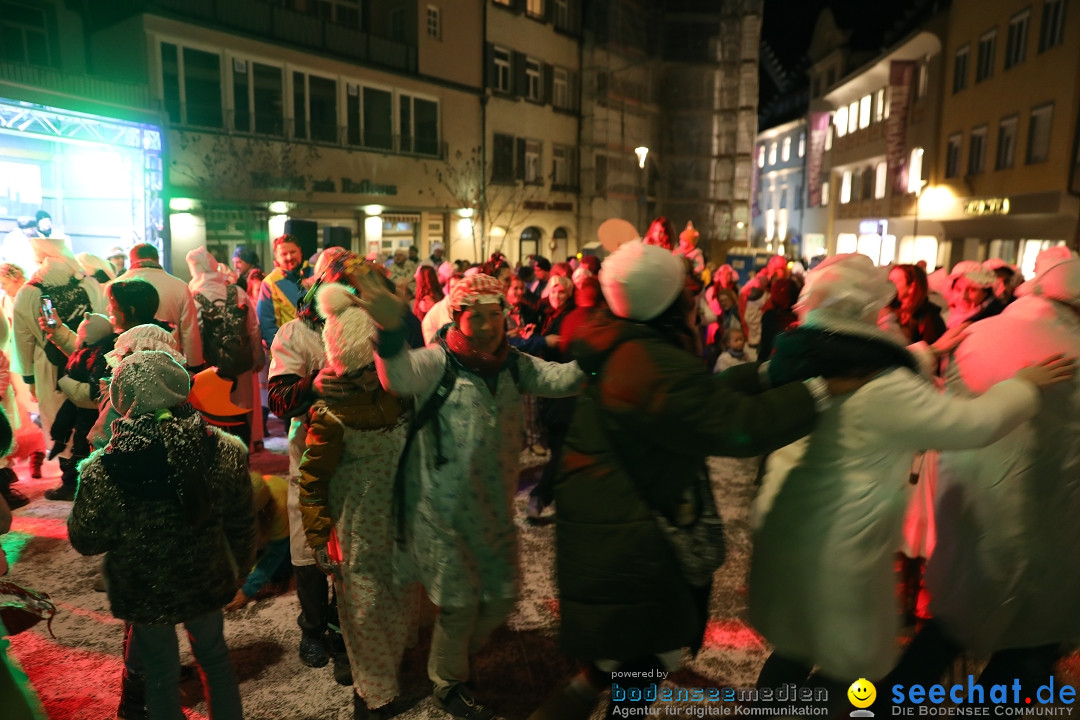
<point>47,310</point>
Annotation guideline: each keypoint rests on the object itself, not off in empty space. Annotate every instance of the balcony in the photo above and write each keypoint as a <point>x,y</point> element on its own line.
<point>86,87</point>
<point>282,25</point>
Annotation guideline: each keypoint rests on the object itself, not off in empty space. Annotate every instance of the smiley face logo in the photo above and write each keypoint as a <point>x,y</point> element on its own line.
<point>862,693</point>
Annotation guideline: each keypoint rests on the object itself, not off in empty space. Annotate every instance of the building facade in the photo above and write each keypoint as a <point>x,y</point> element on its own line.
<point>779,188</point>
<point>1006,182</point>
<point>873,133</point>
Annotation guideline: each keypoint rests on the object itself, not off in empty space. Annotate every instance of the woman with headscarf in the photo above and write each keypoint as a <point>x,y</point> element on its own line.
<point>60,277</point>
<point>212,293</point>
<point>458,479</point>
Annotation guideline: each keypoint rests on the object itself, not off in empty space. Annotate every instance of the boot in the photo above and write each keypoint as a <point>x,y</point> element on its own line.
<point>13,498</point>
<point>132,698</point>
<point>69,480</point>
<point>36,459</point>
<point>342,670</point>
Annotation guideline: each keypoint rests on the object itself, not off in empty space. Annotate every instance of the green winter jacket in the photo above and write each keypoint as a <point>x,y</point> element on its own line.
<point>158,569</point>
<point>652,409</point>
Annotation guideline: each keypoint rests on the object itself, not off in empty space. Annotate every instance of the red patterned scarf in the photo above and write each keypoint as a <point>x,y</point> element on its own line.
<point>486,365</point>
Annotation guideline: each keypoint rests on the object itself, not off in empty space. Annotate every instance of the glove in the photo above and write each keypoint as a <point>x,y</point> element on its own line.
<point>324,562</point>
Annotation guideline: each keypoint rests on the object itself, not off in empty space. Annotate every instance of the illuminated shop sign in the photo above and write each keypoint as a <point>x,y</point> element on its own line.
<point>987,206</point>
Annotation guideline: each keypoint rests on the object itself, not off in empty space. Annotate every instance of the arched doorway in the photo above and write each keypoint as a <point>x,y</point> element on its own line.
<point>561,239</point>
<point>529,244</point>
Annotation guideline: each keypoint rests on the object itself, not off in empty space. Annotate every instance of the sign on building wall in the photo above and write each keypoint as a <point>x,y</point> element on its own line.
<point>901,73</point>
<point>819,131</point>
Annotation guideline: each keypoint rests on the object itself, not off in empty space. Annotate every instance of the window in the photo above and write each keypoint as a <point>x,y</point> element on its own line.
<point>853,116</point>
<point>1006,144</point>
<point>418,124</point>
<point>830,78</point>
<point>797,196</point>
<point>869,182</point>
<point>532,79</point>
<point>502,164</point>
<point>535,8</point>
<point>977,151</point>
<point>987,47</point>
<point>1039,134</point>
<point>828,138</point>
<point>952,155</point>
<point>772,153</point>
<point>260,87</point>
<point>560,88</point>
<point>507,3</point>
<point>802,144</point>
<point>170,82</point>
<point>24,34</point>
<point>841,120</point>
<point>434,24</point>
<point>825,193</point>
<point>502,69</point>
<point>560,165</point>
<point>879,106</point>
<point>378,118</point>
<point>562,14</point>
<point>202,88</point>
<point>533,170</point>
<point>785,151</point>
<point>761,156</point>
<point>315,108</point>
<point>397,25</point>
<point>1052,32</point>
<point>770,224</point>
<point>600,179</point>
<point>881,174</point>
<point>960,69</point>
<point>1016,44</point>
<point>845,188</point>
<point>914,178</point>
<point>923,81</point>
<point>864,112</point>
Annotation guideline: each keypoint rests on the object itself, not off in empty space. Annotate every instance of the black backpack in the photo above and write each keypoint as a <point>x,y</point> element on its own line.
<point>70,302</point>
<point>223,326</point>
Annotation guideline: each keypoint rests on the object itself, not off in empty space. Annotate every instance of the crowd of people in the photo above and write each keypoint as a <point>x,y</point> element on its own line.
<point>412,387</point>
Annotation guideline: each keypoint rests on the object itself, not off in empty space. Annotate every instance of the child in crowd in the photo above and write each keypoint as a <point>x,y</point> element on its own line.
<point>169,502</point>
<point>85,368</point>
<point>271,494</point>
<point>734,351</point>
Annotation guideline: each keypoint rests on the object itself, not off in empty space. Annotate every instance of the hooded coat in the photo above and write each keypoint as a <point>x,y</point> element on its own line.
<point>1003,571</point>
<point>638,440</point>
<point>158,569</point>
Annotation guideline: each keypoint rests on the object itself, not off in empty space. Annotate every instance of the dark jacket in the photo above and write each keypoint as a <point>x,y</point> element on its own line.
<point>158,569</point>
<point>86,365</point>
<point>655,408</point>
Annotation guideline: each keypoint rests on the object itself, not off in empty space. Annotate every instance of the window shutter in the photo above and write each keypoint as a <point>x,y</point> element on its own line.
<point>520,85</point>
<point>548,77</point>
<point>519,166</point>
<point>574,88</point>
<point>549,11</point>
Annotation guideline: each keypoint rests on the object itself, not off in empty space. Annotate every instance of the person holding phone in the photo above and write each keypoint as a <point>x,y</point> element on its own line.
<point>62,292</point>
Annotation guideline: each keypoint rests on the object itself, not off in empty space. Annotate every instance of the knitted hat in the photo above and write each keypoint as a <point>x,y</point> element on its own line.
<point>974,272</point>
<point>1057,277</point>
<point>436,246</point>
<point>93,327</point>
<point>689,235</point>
<point>246,254</point>
<point>475,289</point>
<point>349,332</point>
<point>148,381</point>
<point>144,337</point>
<point>92,263</point>
<point>116,252</point>
<point>641,281</point>
<point>562,281</point>
<point>845,294</point>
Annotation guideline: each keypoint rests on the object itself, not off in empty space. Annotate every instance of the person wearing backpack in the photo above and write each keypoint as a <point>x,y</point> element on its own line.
<point>230,331</point>
<point>60,278</point>
<point>454,490</point>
